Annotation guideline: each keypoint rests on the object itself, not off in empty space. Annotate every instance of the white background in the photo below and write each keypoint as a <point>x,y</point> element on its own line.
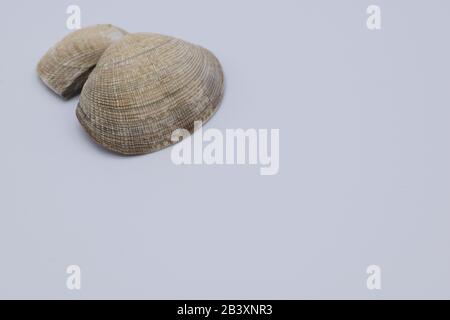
<point>364,163</point>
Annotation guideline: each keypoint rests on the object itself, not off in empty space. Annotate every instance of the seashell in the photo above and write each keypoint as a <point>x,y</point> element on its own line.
<point>144,87</point>
<point>67,65</point>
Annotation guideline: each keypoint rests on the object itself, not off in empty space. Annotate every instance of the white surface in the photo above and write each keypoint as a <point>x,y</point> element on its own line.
<point>364,174</point>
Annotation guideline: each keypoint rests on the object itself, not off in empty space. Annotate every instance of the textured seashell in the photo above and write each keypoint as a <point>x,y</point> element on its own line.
<point>66,66</point>
<point>144,87</point>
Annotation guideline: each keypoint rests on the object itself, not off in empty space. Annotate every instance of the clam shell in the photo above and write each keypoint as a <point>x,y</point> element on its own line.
<point>66,66</point>
<point>144,87</point>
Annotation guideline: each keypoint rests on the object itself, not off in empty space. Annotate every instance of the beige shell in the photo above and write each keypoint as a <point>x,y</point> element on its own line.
<point>66,66</point>
<point>144,87</point>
